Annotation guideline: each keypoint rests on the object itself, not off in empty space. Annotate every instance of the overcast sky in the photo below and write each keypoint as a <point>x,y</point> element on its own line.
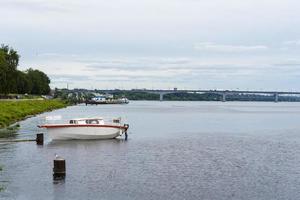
<point>189,44</point>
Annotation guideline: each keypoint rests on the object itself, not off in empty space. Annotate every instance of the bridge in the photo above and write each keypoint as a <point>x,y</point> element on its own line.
<point>223,93</point>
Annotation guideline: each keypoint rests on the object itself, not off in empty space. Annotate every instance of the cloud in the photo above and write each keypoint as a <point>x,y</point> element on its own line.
<point>36,5</point>
<point>55,55</point>
<point>294,65</point>
<point>131,72</point>
<point>212,47</point>
<point>68,77</point>
<point>137,63</point>
<point>160,43</point>
<point>137,72</point>
<point>292,42</point>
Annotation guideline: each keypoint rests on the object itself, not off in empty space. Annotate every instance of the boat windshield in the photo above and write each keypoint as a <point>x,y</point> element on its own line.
<point>92,121</point>
<point>87,121</point>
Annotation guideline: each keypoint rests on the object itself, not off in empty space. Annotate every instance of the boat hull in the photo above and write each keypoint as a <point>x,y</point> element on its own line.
<point>106,102</point>
<point>83,133</point>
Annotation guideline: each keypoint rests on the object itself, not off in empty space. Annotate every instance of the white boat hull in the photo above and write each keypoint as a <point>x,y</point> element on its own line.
<point>83,133</point>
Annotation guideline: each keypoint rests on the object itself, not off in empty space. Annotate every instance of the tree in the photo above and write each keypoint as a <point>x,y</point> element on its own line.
<point>9,60</point>
<point>23,83</point>
<point>14,81</point>
<point>40,81</point>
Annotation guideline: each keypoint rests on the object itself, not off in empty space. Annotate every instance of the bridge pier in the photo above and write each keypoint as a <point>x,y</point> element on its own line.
<point>161,96</point>
<point>276,97</point>
<point>223,97</point>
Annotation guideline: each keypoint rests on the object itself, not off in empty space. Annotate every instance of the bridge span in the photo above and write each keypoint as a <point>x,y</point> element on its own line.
<point>223,93</point>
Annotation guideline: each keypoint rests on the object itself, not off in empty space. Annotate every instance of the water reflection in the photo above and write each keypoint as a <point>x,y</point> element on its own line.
<point>59,179</point>
<point>85,143</point>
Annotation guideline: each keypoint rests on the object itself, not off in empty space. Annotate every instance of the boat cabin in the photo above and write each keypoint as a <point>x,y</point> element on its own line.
<point>87,121</point>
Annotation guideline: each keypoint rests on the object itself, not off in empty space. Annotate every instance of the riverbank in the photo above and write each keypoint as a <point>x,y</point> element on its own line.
<point>13,111</point>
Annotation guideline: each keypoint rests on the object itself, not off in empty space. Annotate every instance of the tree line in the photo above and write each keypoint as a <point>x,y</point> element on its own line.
<point>12,80</point>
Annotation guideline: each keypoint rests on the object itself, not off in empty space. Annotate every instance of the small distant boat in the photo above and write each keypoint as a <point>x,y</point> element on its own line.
<point>86,129</point>
<point>107,99</point>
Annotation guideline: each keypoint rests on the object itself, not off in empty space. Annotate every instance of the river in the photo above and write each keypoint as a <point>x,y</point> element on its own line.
<point>175,150</point>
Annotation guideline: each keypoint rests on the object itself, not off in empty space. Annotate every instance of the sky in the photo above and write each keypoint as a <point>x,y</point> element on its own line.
<point>157,44</point>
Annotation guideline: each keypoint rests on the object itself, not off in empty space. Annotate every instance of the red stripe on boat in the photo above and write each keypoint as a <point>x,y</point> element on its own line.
<point>81,125</point>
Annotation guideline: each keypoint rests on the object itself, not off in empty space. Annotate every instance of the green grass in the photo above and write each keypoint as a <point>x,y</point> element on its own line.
<point>13,111</point>
<point>9,132</point>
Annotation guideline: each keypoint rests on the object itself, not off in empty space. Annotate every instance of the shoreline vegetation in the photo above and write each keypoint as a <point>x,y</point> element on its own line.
<point>12,80</point>
<point>23,93</point>
<point>14,111</point>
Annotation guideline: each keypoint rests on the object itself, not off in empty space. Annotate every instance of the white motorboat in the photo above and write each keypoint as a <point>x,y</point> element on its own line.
<point>107,99</point>
<point>86,128</point>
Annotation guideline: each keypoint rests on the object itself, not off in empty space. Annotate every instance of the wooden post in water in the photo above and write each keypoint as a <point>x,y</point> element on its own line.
<point>126,136</point>
<point>40,139</point>
<point>59,169</point>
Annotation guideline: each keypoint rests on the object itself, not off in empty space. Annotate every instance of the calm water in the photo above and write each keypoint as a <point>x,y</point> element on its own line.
<point>176,150</point>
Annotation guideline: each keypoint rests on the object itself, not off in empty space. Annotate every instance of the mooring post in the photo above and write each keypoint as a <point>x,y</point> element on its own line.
<point>59,169</point>
<point>161,96</point>
<point>224,97</point>
<point>276,97</point>
<point>126,136</point>
<point>40,139</point>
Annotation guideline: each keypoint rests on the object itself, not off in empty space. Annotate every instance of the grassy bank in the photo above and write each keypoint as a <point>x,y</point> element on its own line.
<point>13,111</point>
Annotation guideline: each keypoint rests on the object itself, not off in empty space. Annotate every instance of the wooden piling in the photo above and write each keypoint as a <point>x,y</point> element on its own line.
<point>40,139</point>
<point>126,136</point>
<point>59,168</point>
